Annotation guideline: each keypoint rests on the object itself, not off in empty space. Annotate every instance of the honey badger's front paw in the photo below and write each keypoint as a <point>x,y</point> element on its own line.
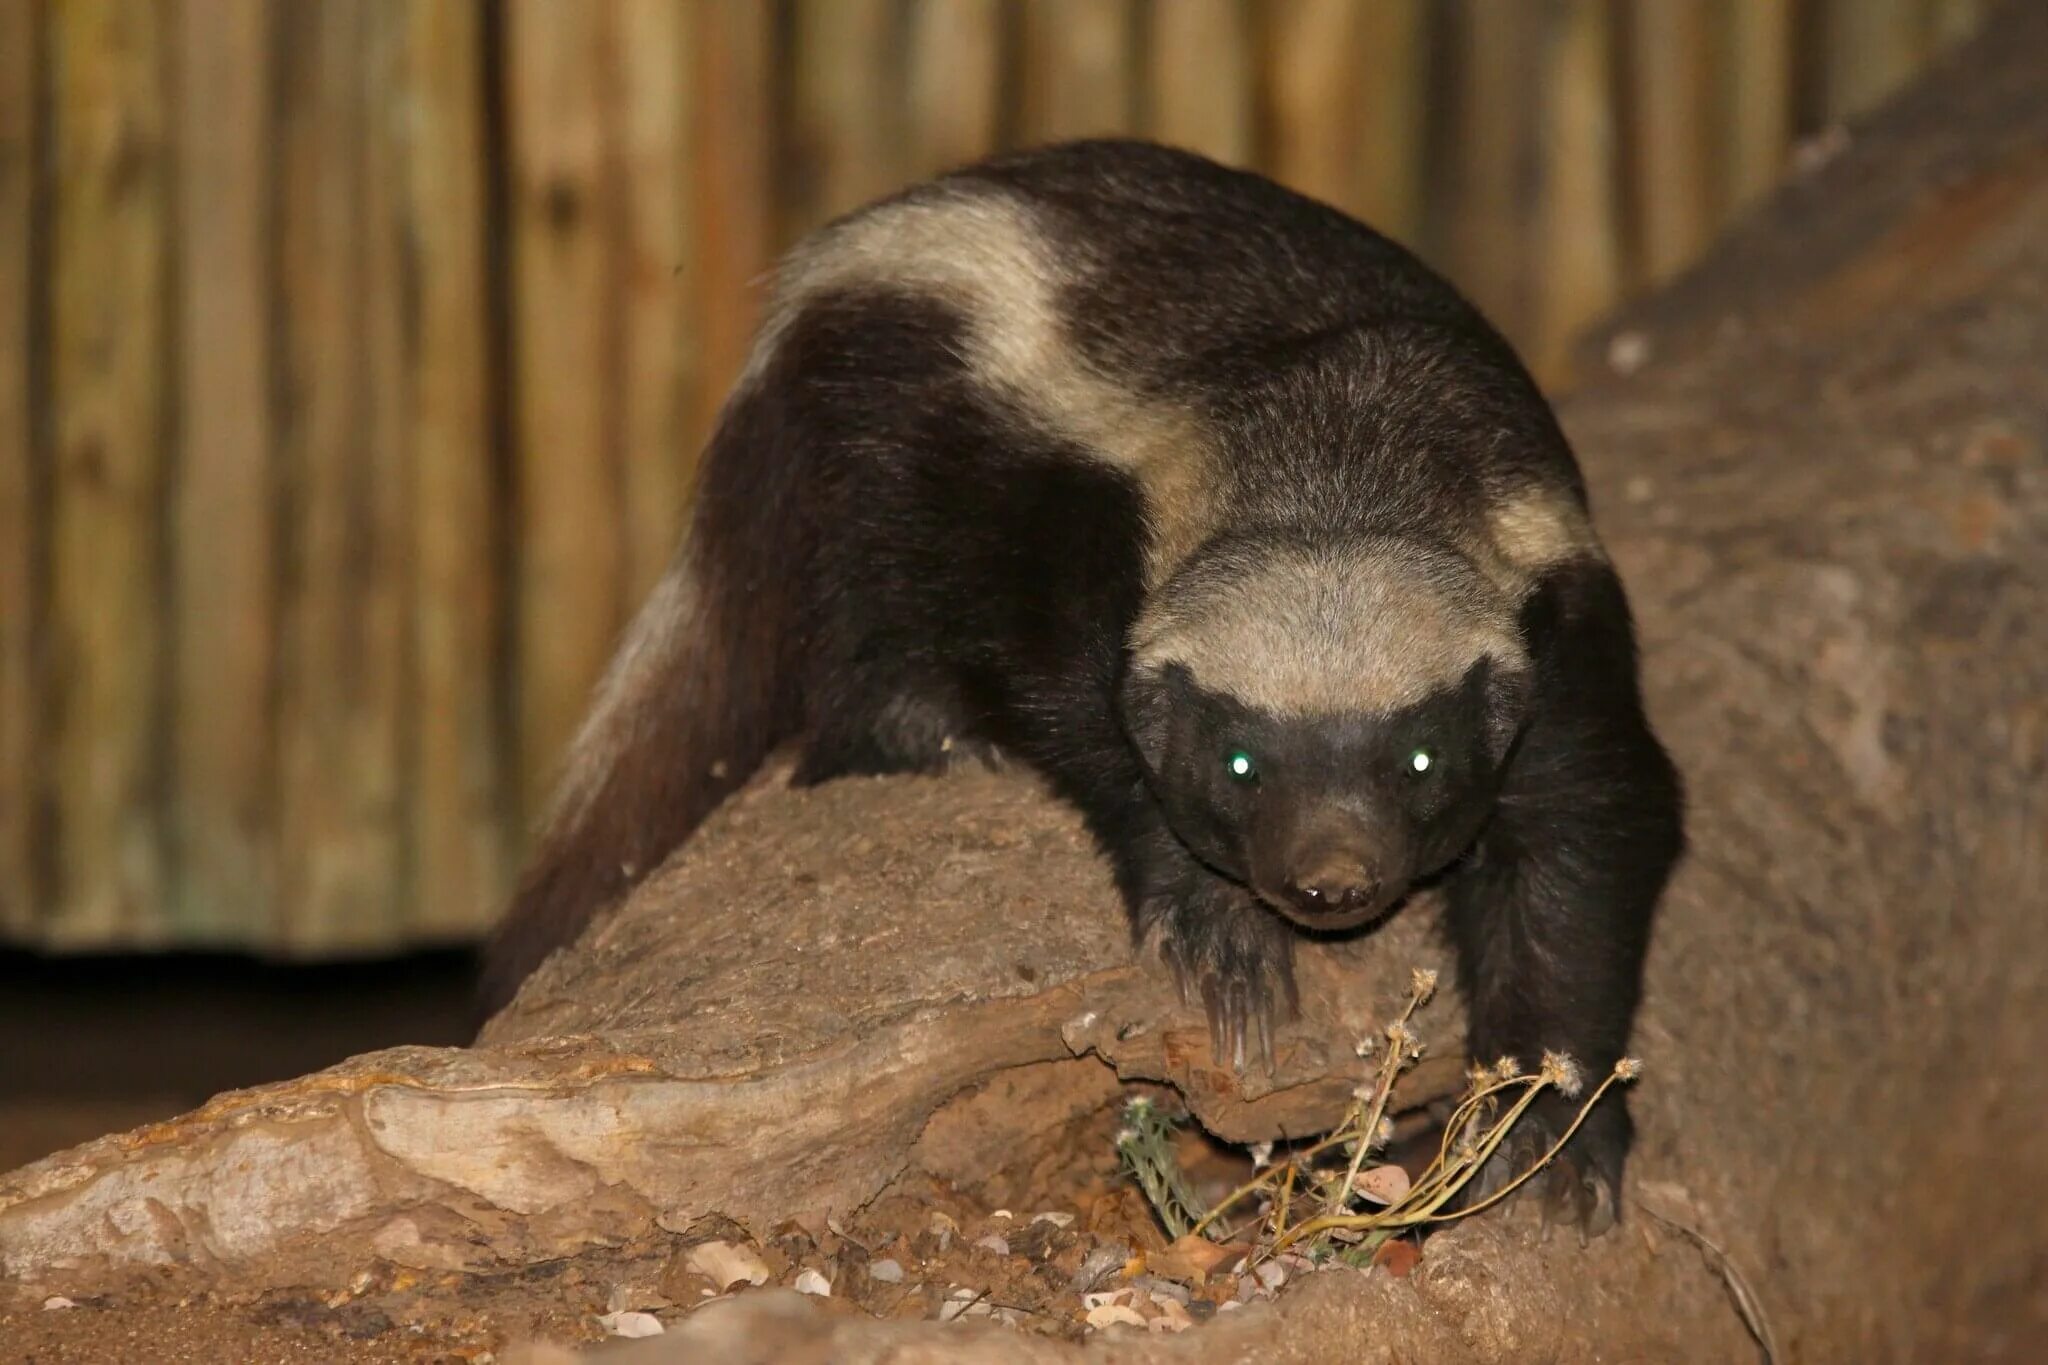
<point>1581,1187</point>
<point>1238,957</point>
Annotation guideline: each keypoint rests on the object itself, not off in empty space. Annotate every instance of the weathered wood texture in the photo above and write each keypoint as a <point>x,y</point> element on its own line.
<point>355,357</point>
<point>22,522</point>
<point>1825,476</point>
<point>102,698</point>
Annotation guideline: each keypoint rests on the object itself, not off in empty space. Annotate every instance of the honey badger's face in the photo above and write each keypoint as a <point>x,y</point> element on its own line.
<point>1323,733</point>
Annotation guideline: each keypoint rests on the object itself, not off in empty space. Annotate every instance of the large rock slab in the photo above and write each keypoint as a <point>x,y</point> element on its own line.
<point>766,1029</point>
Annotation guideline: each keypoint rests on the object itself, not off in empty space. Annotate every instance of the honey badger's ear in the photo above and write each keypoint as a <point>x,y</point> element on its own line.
<point>1502,691</point>
<point>1147,702</point>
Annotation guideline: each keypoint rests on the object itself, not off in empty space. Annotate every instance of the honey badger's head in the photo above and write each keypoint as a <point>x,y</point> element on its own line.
<point>1326,722</point>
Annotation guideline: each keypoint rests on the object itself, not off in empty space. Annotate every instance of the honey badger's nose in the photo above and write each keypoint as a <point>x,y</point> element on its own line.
<point>1333,886</point>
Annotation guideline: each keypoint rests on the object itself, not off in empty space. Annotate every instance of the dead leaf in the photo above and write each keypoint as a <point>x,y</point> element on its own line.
<point>1173,1317</point>
<point>726,1265</point>
<point>1193,1259</point>
<point>1383,1184</point>
<point>1397,1257</point>
<point>1110,1314</point>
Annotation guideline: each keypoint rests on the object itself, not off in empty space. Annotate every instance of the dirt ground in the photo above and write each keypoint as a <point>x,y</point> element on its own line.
<point>1059,1232</point>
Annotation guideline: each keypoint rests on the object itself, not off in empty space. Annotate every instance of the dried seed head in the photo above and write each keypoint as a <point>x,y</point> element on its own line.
<point>1364,1046</point>
<point>1424,982</point>
<point>1507,1068</point>
<point>1399,1034</point>
<point>1383,1132</point>
<point>1628,1068</point>
<point>1562,1072</point>
<point>1478,1077</point>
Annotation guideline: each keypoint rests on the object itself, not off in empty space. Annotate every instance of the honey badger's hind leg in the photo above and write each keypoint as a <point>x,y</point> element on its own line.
<point>1551,912</point>
<point>895,727</point>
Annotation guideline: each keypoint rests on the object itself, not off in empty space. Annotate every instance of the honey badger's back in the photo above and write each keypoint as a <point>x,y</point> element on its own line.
<point>983,422</point>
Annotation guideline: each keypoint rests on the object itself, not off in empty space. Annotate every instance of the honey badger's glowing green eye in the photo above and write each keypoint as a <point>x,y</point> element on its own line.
<point>1421,761</point>
<point>1240,766</point>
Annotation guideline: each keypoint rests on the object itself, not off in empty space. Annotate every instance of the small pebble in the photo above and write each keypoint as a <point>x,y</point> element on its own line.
<point>1156,1287</point>
<point>959,1303</point>
<point>811,1282</point>
<point>630,1324</point>
<point>56,1301</point>
<point>995,1242</point>
<point>1271,1274</point>
<point>1058,1220</point>
<point>1099,1265</point>
<point>1628,352</point>
<point>888,1271</point>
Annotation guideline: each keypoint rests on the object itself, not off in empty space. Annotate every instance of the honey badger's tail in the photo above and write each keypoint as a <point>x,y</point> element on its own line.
<point>700,690</point>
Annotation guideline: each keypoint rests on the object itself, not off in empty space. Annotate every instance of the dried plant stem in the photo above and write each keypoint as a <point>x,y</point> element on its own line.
<point>1498,1099</point>
<point>1354,1122</point>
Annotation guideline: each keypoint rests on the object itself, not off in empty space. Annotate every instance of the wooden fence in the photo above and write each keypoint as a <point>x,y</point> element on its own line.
<point>354,353</point>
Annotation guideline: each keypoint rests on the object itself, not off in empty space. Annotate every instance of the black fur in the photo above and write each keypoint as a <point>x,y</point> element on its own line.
<point>895,563</point>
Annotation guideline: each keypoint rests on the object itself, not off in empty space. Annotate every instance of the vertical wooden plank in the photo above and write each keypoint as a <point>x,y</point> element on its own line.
<point>340,829</point>
<point>1871,46</point>
<point>20,526</point>
<point>1345,91</point>
<point>456,778</point>
<point>1394,90</point>
<point>1310,91</point>
<point>954,69</point>
<point>657,375</point>
<point>1670,93</point>
<point>1080,68</point>
<point>847,111</point>
<point>112,181</point>
<point>1482,221</point>
<point>732,203</point>
<point>383,590</point>
<point>1758,96</point>
<point>571,553</point>
<point>1200,77</point>
<point>223,535</point>
<point>1579,268</point>
<point>1951,21</point>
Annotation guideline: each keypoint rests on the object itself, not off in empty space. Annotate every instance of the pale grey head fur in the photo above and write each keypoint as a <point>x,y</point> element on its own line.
<point>1351,625</point>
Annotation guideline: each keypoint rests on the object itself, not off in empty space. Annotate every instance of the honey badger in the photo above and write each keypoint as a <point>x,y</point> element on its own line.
<point>1224,514</point>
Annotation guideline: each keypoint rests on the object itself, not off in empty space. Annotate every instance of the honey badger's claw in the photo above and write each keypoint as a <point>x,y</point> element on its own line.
<point>1579,1189</point>
<point>1243,1016</point>
<point>1239,958</point>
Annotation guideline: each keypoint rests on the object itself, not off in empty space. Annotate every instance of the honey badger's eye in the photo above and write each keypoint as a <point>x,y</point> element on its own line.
<point>1240,766</point>
<point>1421,761</point>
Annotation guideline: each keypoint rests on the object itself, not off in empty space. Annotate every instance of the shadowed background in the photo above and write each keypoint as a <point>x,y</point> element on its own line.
<point>355,355</point>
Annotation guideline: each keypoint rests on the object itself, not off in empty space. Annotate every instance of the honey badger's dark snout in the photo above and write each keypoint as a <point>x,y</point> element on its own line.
<point>1332,872</point>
